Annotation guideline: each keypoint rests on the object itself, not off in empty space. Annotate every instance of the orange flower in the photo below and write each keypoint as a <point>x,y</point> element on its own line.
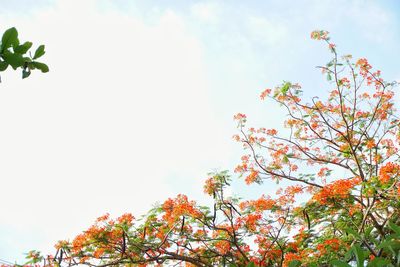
<point>251,221</point>
<point>210,186</point>
<point>252,177</point>
<point>259,205</point>
<point>337,189</point>
<point>290,257</point>
<point>345,82</point>
<point>175,208</point>
<point>263,204</point>
<point>126,218</point>
<point>388,171</point>
<point>103,218</point>
<point>272,132</point>
<point>322,172</point>
<point>223,246</point>
<point>333,243</point>
<point>236,137</point>
<point>98,253</point>
<point>239,117</point>
<point>265,93</point>
<point>78,243</point>
<point>370,143</point>
<point>61,244</point>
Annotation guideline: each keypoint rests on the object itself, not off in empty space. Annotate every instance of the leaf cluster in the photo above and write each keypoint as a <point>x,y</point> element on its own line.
<point>18,55</point>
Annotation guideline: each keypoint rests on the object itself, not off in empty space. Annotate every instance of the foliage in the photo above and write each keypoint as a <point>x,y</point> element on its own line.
<point>18,55</point>
<point>339,155</point>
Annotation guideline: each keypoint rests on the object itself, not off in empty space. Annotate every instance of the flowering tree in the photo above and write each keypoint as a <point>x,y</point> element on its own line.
<point>338,155</point>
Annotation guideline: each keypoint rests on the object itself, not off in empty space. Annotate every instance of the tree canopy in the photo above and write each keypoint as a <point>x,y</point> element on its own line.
<point>339,205</point>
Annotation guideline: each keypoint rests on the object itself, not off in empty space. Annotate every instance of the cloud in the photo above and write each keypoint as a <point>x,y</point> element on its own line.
<point>266,32</point>
<point>124,107</point>
<point>375,23</point>
<point>206,11</point>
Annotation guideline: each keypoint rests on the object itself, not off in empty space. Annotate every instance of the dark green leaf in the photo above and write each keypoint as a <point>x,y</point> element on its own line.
<point>41,66</point>
<point>10,38</point>
<point>251,264</point>
<point>352,231</point>
<point>379,262</point>
<point>39,52</point>
<point>368,231</point>
<point>388,243</point>
<point>22,49</point>
<point>339,263</point>
<point>359,253</point>
<point>3,65</point>
<point>394,227</point>
<point>295,263</point>
<point>25,73</point>
<point>15,60</point>
<point>16,43</point>
<point>27,59</point>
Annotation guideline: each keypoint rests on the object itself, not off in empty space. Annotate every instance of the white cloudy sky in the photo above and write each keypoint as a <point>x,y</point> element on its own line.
<point>139,101</point>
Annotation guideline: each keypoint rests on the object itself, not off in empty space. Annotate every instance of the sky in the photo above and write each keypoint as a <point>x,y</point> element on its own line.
<point>138,105</point>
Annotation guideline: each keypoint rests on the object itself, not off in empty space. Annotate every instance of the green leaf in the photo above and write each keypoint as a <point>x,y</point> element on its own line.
<point>294,263</point>
<point>388,244</point>
<point>394,227</point>
<point>359,253</point>
<point>368,231</point>
<point>10,38</point>
<point>39,52</point>
<point>22,49</point>
<point>251,264</point>
<point>379,262</point>
<point>16,43</point>
<point>285,88</point>
<point>41,66</point>
<point>15,60</point>
<point>339,263</point>
<point>25,73</point>
<point>353,232</point>
<point>27,59</point>
<point>285,159</point>
<point>3,65</point>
